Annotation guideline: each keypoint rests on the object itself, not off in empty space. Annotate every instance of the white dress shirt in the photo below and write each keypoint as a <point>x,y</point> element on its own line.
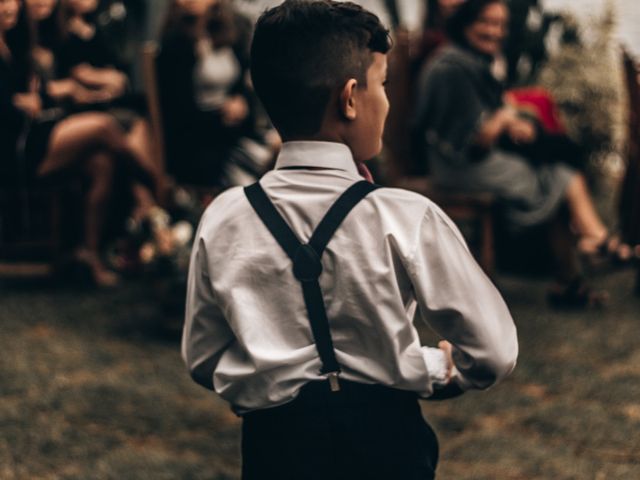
<point>396,256</point>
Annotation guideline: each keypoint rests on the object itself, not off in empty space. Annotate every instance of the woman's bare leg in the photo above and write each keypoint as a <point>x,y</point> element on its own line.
<point>140,142</point>
<point>78,136</point>
<point>570,288</point>
<point>584,216</point>
<point>590,228</point>
<point>100,170</point>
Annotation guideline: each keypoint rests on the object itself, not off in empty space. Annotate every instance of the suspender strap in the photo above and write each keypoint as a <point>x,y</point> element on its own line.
<point>337,213</point>
<point>307,266</point>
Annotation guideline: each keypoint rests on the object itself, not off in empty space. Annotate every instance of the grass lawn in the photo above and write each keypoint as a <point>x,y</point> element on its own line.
<point>92,387</point>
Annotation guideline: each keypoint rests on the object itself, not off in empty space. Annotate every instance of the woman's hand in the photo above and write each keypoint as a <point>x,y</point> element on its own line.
<point>62,89</point>
<point>108,79</point>
<point>69,88</point>
<point>522,131</point>
<point>29,103</point>
<point>81,28</point>
<point>87,96</point>
<point>506,120</point>
<point>234,110</point>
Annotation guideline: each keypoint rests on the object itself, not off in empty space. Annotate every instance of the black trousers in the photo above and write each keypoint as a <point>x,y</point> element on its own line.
<point>362,432</point>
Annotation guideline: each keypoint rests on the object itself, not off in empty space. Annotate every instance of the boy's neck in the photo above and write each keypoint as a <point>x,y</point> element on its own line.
<point>318,137</point>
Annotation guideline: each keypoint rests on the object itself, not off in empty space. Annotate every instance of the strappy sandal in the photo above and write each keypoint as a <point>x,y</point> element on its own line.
<point>611,251</point>
<point>576,295</point>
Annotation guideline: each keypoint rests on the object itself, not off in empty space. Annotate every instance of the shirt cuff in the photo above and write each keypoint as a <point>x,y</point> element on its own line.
<point>457,378</point>
<point>437,365</point>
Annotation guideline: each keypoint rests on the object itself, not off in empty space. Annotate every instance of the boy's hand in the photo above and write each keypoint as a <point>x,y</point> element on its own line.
<point>451,389</point>
<point>447,348</point>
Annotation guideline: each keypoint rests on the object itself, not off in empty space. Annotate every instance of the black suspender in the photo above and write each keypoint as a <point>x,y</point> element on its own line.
<point>307,266</point>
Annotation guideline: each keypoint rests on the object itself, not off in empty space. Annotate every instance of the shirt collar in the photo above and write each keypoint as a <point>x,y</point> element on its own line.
<point>331,155</point>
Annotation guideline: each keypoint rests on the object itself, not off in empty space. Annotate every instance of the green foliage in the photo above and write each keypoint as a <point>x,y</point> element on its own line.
<point>585,78</point>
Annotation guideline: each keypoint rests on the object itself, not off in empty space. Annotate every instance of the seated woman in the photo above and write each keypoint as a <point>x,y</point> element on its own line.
<point>466,131</point>
<point>208,109</point>
<point>46,141</point>
<point>84,57</point>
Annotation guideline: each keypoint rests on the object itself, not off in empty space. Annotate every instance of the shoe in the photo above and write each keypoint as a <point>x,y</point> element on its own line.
<point>576,295</point>
<point>610,251</point>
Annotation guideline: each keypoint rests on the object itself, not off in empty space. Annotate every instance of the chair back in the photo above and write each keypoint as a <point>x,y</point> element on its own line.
<point>397,129</point>
<point>152,94</point>
<point>629,203</point>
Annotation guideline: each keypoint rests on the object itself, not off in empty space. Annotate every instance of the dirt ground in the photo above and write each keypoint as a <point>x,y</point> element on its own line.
<point>92,387</point>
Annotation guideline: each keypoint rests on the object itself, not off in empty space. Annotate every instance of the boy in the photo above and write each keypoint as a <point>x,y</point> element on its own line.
<point>317,351</point>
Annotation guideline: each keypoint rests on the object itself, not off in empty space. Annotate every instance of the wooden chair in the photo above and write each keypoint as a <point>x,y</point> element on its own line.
<point>150,81</point>
<point>32,223</point>
<point>32,233</point>
<point>472,212</point>
<point>629,199</point>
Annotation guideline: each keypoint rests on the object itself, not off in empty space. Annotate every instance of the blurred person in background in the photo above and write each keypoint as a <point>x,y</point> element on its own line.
<point>85,57</point>
<point>434,33</point>
<point>42,141</point>
<point>207,106</point>
<point>472,138</point>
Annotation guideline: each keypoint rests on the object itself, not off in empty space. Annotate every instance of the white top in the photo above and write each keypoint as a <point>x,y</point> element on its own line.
<point>215,72</point>
<point>246,324</point>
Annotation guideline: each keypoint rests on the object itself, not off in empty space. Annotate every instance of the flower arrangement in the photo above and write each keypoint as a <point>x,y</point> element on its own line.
<point>166,239</point>
<point>585,76</point>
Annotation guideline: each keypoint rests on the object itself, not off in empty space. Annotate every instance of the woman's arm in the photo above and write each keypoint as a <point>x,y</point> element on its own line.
<point>108,78</point>
<point>504,121</point>
<point>28,103</point>
<point>70,89</point>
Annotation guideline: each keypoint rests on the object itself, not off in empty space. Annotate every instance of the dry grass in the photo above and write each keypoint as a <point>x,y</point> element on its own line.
<point>92,387</point>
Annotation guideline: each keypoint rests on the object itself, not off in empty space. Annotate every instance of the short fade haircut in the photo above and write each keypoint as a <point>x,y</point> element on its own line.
<point>302,50</point>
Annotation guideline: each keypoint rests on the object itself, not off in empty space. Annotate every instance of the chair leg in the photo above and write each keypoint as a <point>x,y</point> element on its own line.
<point>487,251</point>
<point>56,227</point>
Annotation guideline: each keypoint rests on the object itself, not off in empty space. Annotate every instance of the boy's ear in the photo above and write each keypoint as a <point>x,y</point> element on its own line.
<point>347,99</point>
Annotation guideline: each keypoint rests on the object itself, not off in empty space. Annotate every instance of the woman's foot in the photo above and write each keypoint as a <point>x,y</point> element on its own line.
<point>576,295</point>
<point>608,248</point>
<point>102,277</point>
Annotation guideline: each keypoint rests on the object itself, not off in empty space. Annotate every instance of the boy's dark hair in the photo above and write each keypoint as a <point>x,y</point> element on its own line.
<point>464,16</point>
<point>303,50</point>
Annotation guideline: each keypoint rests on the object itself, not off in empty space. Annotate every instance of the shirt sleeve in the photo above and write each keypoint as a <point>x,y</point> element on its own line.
<point>461,304</point>
<point>206,334</point>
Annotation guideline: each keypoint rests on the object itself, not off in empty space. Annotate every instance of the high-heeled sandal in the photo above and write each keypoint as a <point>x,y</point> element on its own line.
<point>611,251</point>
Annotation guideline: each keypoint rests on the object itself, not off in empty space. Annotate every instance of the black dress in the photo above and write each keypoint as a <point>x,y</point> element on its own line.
<point>94,51</point>
<point>23,141</point>
<point>197,142</point>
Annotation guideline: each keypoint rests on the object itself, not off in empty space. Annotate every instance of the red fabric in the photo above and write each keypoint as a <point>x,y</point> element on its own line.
<point>541,103</point>
<point>364,171</point>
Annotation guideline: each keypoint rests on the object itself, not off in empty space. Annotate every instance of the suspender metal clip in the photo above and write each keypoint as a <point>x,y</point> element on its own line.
<point>333,381</point>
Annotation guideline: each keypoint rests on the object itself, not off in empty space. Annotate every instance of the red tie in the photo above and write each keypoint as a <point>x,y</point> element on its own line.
<point>364,172</point>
